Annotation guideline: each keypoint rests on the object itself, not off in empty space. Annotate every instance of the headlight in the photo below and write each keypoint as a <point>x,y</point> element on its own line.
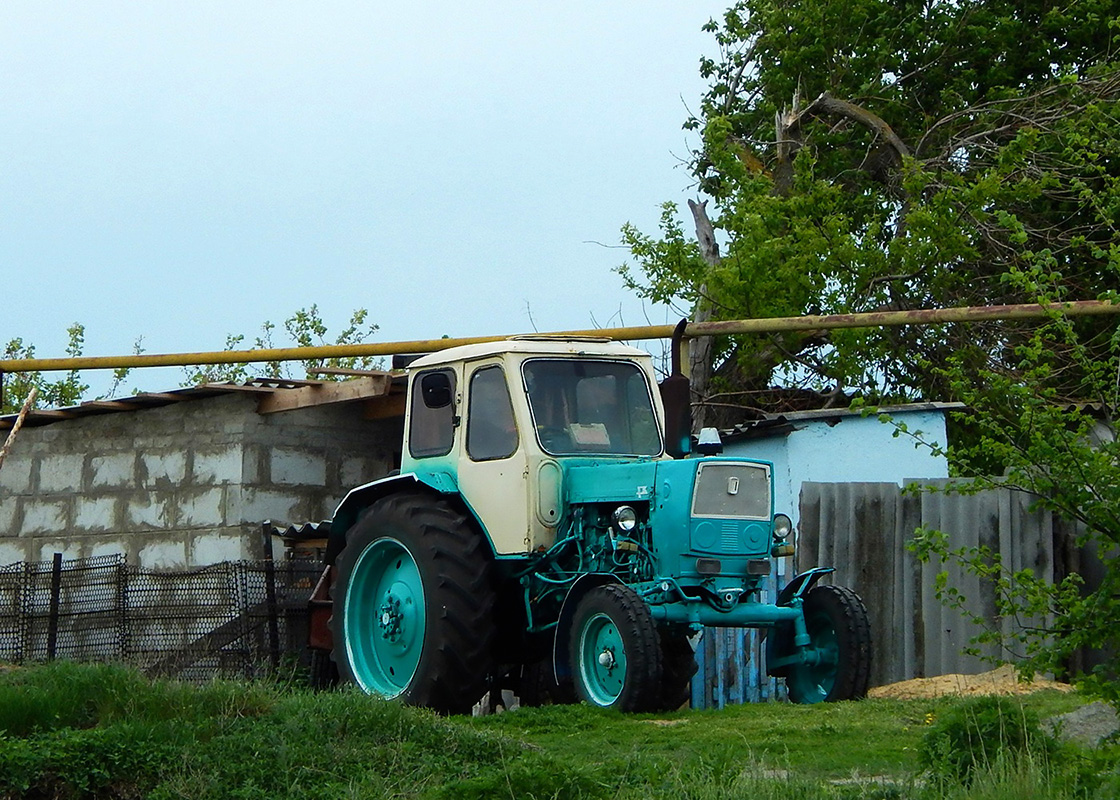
<point>783,526</point>
<point>625,519</point>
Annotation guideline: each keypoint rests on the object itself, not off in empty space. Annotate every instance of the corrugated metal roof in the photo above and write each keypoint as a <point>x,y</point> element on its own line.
<point>258,386</point>
<point>784,423</point>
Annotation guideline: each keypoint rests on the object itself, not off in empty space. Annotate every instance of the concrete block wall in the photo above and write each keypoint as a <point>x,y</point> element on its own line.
<point>184,484</point>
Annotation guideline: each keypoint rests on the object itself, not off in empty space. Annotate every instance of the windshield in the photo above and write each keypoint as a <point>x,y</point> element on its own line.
<point>591,407</point>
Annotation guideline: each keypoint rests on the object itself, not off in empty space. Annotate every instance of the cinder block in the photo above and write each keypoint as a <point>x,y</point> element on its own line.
<point>44,516</point>
<point>298,468</point>
<point>95,513</point>
<point>163,554</point>
<point>259,505</point>
<point>254,464</point>
<point>217,465</point>
<point>200,509</point>
<point>150,511</point>
<point>108,547</point>
<point>12,552</point>
<point>46,548</point>
<point>356,471</point>
<point>115,470</point>
<point>8,516</point>
<point>163,470</point>
<point>15,476</point>
<point>61,473</point>
<point>214,548</point>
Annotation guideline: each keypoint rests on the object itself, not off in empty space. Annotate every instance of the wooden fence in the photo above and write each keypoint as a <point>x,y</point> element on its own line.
<point>862,529</point>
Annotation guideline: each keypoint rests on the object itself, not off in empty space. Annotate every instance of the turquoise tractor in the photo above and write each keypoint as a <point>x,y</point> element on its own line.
<point>549,529</point>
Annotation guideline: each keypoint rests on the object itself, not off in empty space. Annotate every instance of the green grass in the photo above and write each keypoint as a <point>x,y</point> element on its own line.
<point>70,730</point>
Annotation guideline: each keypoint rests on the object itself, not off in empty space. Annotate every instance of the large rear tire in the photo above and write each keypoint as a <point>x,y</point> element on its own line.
<point>840,634</point>
<point>678,665</point>
<point>615,650</point>
<point>413,604</point>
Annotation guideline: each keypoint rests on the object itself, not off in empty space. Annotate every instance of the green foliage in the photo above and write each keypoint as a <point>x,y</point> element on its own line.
<point>958,143</point>
<point>102,731</point>
<point>305,328</point>
<point>979,732</point>
<point>66,391</point>
<point>1039,416</point>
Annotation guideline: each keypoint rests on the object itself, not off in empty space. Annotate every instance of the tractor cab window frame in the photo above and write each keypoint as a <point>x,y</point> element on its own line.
<point>432,418</point>
<point>491,427</point>
<point>591,407</point>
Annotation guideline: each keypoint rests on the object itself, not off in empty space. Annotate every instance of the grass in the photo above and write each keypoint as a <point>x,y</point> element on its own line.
<point>69,730</point>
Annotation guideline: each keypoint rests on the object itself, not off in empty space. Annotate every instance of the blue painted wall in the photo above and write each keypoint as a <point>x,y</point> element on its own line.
<point>851,449</point>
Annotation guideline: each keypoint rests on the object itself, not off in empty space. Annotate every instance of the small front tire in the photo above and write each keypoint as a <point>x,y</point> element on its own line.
<point>840,648</point>
<point>616,651</point>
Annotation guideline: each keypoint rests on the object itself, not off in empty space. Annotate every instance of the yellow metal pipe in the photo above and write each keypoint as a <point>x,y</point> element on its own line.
<point>875,319</point>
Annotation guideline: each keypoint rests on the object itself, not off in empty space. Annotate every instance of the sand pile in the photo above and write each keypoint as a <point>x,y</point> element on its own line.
<point>1003,680</point>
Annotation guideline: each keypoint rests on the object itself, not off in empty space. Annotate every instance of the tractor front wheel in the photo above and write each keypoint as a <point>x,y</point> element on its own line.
<point>616,651</point>
<point>837,662</point>
<point>413,604</point>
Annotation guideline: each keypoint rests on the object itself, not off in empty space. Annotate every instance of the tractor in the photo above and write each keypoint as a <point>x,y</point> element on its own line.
<point>553,523</point>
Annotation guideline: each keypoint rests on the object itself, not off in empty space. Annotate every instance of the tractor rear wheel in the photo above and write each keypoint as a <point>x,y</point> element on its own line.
<point>538,686</point>
<point>615,650</point>
<point>678,665</point>
<point>840,648</point>
<point>413,604</point>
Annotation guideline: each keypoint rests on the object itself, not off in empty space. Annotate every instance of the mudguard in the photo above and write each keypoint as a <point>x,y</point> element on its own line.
<point>801,584</point>
<point>561,657</point>
<point>360,498</point>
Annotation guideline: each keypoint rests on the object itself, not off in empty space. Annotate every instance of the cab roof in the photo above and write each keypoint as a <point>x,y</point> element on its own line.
<point>532,345</point>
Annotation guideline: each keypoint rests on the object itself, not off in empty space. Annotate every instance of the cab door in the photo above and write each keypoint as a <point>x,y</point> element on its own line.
<point>493,466</point>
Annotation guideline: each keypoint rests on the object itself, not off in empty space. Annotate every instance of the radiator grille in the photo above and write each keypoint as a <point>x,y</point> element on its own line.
<point>732,491</point>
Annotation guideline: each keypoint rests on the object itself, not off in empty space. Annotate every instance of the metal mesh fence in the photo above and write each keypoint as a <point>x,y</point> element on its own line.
<point>234,619</point>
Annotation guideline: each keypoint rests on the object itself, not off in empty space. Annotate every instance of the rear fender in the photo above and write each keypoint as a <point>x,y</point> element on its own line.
<point>561,655</point>
<point>362,497</point>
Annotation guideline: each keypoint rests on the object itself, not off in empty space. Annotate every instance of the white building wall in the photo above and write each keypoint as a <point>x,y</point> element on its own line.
<point>851,449</point>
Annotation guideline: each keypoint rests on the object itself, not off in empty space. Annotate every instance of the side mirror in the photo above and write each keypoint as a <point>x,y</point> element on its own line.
<point>435,388</point>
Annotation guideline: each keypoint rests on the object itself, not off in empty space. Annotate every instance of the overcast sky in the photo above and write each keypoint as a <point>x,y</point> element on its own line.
<point>183,171</point>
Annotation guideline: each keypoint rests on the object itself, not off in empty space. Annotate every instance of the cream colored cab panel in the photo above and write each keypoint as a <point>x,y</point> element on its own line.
<point>493,466</point>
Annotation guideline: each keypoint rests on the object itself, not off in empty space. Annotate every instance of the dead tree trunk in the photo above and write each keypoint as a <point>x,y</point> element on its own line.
<point>700,349</point>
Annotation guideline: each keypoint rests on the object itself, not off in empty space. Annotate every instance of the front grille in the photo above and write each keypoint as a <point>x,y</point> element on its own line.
<point>730,490</point>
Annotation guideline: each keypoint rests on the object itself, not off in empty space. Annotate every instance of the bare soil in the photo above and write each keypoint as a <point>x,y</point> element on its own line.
<point>1001,681</point>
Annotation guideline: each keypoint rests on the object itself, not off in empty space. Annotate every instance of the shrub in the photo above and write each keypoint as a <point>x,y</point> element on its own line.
<point>978,733</point>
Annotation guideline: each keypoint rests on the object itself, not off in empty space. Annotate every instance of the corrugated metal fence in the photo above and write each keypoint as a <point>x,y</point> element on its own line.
<point>234,619</point>
<point>862,529</point>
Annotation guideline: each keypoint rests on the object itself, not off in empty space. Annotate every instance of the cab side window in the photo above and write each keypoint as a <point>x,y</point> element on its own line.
<point>431,429</point>
<point>491,430</point>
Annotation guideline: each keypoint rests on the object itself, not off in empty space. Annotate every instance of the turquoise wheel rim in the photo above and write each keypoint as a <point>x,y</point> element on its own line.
<point>814,681</point>
<point>602,660</point>
<point>384,619</point>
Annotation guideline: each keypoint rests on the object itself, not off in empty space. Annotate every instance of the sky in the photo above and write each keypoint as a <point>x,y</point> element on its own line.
<point>183,171</point>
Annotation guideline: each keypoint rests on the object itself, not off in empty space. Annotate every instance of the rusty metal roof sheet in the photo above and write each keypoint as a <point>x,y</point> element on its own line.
<point>258,386</point>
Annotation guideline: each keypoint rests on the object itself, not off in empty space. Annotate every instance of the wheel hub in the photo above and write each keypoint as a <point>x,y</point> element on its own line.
<point>390,619</point>
<point>606,659</point>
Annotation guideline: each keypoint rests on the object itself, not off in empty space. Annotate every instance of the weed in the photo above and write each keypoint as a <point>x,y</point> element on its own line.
<point>977,732</point>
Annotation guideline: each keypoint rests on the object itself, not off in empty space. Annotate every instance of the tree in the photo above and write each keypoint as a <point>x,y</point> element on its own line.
<point>863,155</point>
<point>1067,459</point>
<point>305,328</point>
<point>66,391</point>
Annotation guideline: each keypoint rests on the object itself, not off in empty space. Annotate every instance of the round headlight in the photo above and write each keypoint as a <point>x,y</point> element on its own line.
<point>625,519</point>
<point>783,526</point>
